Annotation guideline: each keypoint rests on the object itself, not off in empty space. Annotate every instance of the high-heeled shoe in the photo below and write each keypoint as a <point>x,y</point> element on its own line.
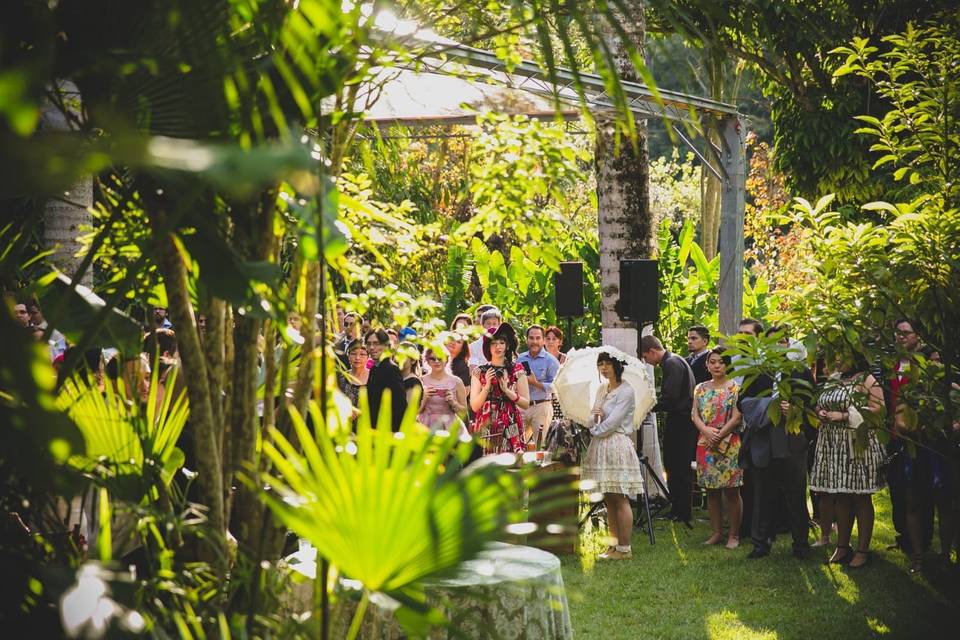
<point>842,559</point>
<point>866,556</point>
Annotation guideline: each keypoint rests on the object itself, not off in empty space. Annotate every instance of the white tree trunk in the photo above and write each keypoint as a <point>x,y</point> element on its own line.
<point>64,216</point>
<point>626,226</point>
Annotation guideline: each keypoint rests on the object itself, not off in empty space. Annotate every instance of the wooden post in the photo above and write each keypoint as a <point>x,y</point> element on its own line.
<point>733,161</point>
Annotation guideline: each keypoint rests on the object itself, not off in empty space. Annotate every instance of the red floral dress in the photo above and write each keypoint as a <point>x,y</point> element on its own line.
<point>499,422</point>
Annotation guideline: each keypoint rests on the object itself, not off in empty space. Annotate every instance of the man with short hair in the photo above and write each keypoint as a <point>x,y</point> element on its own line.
<point>57,342</point>
<point>777,461</point>
<point>680,437</point>
<point>489,320</point>
<point>352,324</point>
<point>698,337</point>
<point>543,368</point>
<point>21,314</point>
<point>160,319</point>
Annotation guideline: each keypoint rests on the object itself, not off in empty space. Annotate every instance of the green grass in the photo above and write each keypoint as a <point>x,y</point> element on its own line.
<point>680,589</point>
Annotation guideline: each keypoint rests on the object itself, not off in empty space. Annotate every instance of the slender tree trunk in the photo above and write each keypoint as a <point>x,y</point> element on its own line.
<point>204,428</point>
<point>626,225</point>
<point>245,425</point>
<point>710,218</point>
<point>256,241</point>
<point>66,215</point>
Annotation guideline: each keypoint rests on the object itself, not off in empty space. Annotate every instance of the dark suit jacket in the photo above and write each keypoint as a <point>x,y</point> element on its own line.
<point>763,441</point>
<point>386,375</point>
<point>698,364</point>
<point>676,387</point>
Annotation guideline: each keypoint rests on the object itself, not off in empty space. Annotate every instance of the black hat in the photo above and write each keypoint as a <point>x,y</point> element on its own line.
<point>503,332</point>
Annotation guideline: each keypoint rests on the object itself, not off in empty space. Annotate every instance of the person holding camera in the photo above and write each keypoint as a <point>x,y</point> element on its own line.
<point>498,393</point>
<point>444,396</point>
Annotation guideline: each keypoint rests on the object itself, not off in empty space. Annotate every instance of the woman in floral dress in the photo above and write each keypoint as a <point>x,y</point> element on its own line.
<point>717,418</point>
<point>498,394</point>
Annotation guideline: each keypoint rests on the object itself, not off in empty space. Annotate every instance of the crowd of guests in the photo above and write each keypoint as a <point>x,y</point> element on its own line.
<point>762,472</point>
<point>484,387</point>
<point>717,432</point>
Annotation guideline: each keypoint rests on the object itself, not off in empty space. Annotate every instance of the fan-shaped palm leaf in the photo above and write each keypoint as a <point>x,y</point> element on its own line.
<point>383,508</point>
<point>122,434</point>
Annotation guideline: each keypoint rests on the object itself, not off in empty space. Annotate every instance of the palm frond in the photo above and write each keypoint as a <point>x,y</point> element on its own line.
<point>119,432</point>
<point>384,507</point>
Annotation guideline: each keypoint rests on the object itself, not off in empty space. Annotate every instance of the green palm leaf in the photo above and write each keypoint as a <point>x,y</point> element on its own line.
<point>120,433</point>
<point>383,507</point>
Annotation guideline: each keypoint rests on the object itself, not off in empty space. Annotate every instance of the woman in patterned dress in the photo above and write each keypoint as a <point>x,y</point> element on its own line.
<point>717,418</point>
<point>611,461</point>
<point>498,393</point>
<point>846,471</point>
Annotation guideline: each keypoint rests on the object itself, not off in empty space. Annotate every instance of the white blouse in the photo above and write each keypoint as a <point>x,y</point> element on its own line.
<point>618,407</point>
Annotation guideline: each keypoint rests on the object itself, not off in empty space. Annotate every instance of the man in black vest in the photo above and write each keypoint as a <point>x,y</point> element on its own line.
<point>383,376</point>
<point>698,338</point>
<point>680,436</point>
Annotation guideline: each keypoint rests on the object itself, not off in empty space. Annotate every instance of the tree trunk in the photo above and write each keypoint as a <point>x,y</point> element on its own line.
<point>626,225</point>
<point>203,427</point>
<point>65,215</point>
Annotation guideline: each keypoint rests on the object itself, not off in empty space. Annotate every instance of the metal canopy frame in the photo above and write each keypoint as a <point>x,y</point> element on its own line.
<point>448,58</point>
<point>726,161</point>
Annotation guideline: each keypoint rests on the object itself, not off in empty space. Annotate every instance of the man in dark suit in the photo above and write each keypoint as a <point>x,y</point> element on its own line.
<point>385,375</point>
<point>777,461</point>
<point>698,338</point>
<point>680,436</point>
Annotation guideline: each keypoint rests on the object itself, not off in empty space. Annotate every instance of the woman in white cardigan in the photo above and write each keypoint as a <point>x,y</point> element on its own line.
<point>611,461</point>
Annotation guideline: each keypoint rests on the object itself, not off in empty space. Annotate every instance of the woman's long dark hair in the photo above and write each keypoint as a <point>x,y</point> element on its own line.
<point>458,364</point>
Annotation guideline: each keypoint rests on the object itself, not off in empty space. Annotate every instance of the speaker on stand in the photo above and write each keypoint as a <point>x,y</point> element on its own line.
<point>640,302</point>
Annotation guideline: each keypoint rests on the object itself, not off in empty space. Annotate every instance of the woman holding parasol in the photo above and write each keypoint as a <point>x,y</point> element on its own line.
<point>611,460</point>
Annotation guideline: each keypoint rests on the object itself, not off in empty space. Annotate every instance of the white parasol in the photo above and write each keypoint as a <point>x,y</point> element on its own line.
<point>578,382</point>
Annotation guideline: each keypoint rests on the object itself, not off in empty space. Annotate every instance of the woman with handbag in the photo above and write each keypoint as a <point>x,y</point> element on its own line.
<point>717,419</point>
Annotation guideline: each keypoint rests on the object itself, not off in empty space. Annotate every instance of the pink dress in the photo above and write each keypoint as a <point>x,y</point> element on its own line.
<point>437,412</point>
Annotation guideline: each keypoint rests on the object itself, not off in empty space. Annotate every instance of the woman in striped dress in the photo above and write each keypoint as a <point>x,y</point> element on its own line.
<point>846,467</point>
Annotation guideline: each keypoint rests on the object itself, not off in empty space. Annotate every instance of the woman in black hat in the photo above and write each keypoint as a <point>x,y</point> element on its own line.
<point>498,394</point>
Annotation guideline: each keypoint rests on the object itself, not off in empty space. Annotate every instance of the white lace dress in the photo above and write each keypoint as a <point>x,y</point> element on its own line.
<point>611,460</point>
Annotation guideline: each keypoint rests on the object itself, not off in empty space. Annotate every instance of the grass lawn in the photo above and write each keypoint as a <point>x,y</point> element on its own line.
<point>680,589</point>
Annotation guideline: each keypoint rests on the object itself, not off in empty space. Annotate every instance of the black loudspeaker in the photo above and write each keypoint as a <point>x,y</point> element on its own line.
<point>639,291</point>
<point>568,290</point>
